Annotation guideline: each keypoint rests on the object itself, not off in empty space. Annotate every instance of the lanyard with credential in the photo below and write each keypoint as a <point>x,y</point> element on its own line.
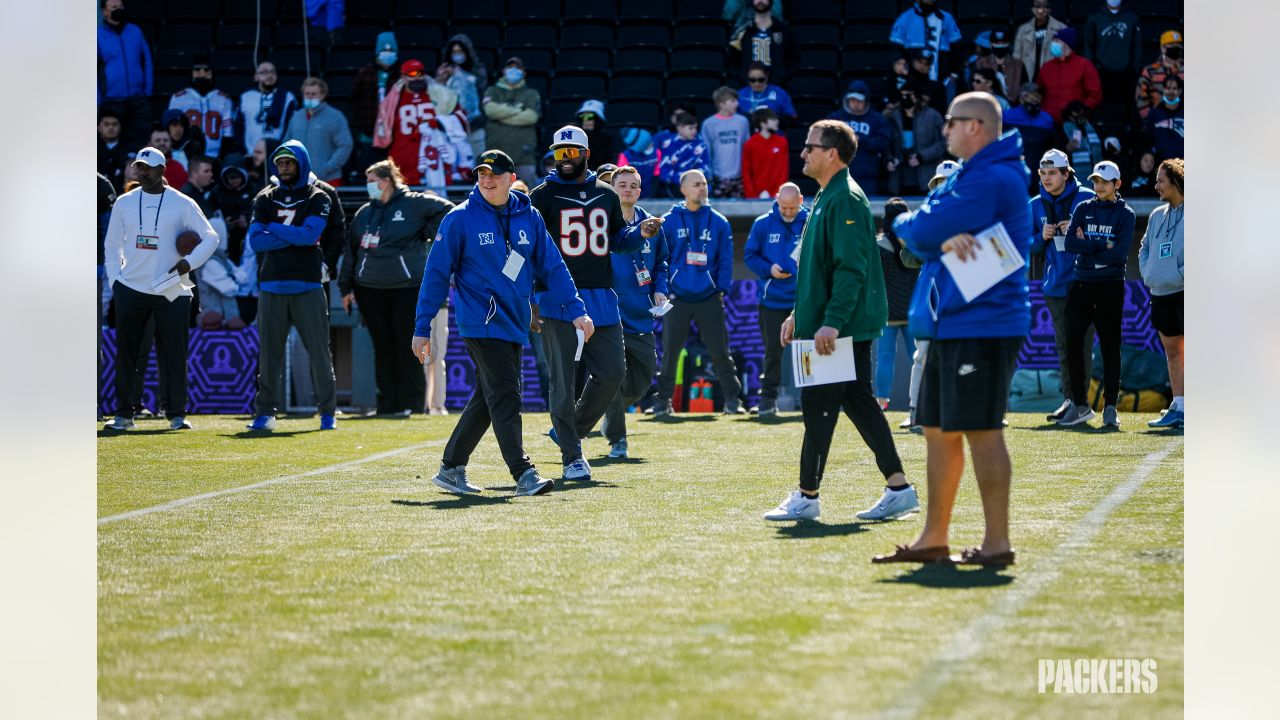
<point>155,228</point>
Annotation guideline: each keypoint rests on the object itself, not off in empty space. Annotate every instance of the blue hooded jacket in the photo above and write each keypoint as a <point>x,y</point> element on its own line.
<point>264,237</point>
<point>875,136</point>
<point>471,247</point>
<point>681,155</point>
<point>634,299</point>
<point>1102,222</point>
<point>704,231</point>
<point>125,60</point>
<point>1059,265</point>
<point>989,187</point>
<point>772,240</point>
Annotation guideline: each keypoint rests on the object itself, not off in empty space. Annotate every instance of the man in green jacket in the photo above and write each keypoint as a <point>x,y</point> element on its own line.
<point>513,109</point>
<point>840,293</point>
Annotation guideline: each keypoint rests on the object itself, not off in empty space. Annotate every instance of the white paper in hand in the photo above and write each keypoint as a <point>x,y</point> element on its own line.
<point>582,339</point>
<point>996,259</point>
<point>660,310</point>
<point>809,368</point>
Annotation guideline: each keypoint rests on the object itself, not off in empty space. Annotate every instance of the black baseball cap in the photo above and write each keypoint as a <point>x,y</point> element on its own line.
<point>496,162</point>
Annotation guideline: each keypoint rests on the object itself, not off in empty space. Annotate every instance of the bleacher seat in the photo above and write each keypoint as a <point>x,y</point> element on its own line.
<point>866,33</point>
<point>697,62</point>
<point>176,59</point>
<point>816,34</point>
<point>642,85</point>
<point>362,36</point>
<point>814,58</point>
<point>591,61</point>
<point>239,10</point>
<point>868,60</point>
<point>540,82</point>
<point>347,59</point>
<point>859,10</point>
<point>205,11</point>
<point>638,113</point>
<point>560,112</point>
<point>531,33</point>
<point>168,82</point>
<point>428,54</point>
<point>815,109</point>
<point>433,34</point>
<point>994,10</point>
<point>146,12</point>
<point>698,9</point>
<point>464,10</point>
<point>369,10</point>
<point>540,9</point>
<point>243,35</point>
<point>603,11</point>
<point>694,88</point>
<point>416,12</point>
<point>586,34</point>
<point>577,84</point>
<point>643,35</point>
<point>822,86</point>
<point>709,34</point>
<point>481,34</point>
<point>644,59</point>
<point>340,86</point>
<point>650,10</point>
<point>821,10</point>
<point>535,59</point>
<point>233,62</point>
<point>292,35</point>
<point>295,60</point>
<point>187,39</point>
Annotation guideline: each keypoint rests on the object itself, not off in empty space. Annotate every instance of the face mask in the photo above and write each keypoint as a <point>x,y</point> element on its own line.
<point>202,85</point>
<point>118,16</point>
<point>416,85</point>
<point>1056,50</point>
<point>387,57</point>
<point>375,192</point>
<point>908,102</point>
<point>1172,102</point>
<point>1173,53</point>
<point>311,103</point>
<point>513,75</point>
<point>1031,108</point>
<point>459,58</point>
<point>1001,53</point>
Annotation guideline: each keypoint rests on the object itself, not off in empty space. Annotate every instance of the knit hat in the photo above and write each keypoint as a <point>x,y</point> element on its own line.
<point>637,139</point>
<point>386,41</point>
<point>1068,37</point>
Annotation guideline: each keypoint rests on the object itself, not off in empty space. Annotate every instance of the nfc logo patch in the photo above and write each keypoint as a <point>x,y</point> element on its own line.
<point>486,238</point>
<point>1166,250</point>
<point>682,232</point>
<point>566,135</point>
<point>775,238</point>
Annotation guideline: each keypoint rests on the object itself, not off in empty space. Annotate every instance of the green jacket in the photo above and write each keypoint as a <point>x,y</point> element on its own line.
<point>513,114</point>
<point>840,281</point>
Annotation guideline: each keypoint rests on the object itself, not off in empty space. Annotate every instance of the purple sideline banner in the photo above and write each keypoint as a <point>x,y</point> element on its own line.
<point>223,365</point>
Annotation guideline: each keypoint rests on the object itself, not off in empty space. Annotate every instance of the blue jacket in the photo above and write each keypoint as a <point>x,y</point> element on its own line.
<point>990,187</point>
<point>327,14</point>
<point>874,139</point>
<point>1102,222</point>
<point>704,231</point>
<point>264,237</point>
<point>645,164</point>
<point>1059,265</point>
<point>772,240</point>
<point>125,63</point>
<point>773,97</point>
<point>471,248</point>
<point>634,299</point>
<point>935,31</point>
<point>681,155</point>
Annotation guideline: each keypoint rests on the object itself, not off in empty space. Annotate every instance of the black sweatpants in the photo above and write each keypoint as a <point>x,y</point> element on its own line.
<point>1058,311</point>
<point>572,414</point>
<point>822,405</point>
<point>389,315</point>
<point>496,402</point>
<point>309,313</point>
<point>133,310</point>
<point>771,329</point>
<point>709,315</point>
<point>642,362</point>
<point>1102,305</point>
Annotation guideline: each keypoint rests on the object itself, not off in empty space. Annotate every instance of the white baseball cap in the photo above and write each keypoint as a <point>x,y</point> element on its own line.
<point>150,156</point>
<point>569,135</point>
<point>946,168</point>
<point>1106,170</point>
<point>1055,158</point>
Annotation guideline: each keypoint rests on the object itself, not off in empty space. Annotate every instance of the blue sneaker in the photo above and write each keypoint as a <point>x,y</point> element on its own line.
<point>328,422</point>
<point>263,423</point>
<point>1168,419</point>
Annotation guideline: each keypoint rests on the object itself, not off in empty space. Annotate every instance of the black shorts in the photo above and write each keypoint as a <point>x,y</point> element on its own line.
<point>1166,314</point>
<point>966,383</point>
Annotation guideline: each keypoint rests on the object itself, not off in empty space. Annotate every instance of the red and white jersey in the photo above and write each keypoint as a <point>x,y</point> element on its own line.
<point>444,156</point>
<point>413,113</point>
<point>212,113</point>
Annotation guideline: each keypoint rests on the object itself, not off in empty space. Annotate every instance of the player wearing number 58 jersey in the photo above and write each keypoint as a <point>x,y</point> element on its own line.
<point>584,217</point>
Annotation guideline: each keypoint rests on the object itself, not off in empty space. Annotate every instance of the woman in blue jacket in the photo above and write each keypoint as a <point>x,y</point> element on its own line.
<point>1100,234</point>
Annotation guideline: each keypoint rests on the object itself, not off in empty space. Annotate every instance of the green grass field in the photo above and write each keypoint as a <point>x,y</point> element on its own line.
<point>653,591</point>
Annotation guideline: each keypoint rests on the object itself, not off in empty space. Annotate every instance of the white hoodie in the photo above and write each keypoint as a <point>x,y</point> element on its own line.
<point>139,264</point>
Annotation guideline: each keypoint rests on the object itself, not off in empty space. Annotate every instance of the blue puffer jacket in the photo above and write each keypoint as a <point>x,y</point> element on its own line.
<point>634,299</point>
<point>1059,265</point>
<point>772,240</point>
<point>704,231</point>
<point>125,62</point>
<point>471,247</point>
<point>990,187</point>
<point>1102,223</point>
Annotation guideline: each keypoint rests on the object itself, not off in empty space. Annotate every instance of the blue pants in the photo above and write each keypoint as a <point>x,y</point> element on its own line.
<point>886,354</point>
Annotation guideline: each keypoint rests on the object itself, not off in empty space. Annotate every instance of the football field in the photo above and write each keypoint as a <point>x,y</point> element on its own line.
<point>321,575</point>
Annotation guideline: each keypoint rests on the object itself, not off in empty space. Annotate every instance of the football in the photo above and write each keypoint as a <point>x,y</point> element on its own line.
<point>187,242</point>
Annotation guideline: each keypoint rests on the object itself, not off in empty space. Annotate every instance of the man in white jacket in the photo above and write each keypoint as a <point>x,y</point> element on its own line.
<point>149,279</point>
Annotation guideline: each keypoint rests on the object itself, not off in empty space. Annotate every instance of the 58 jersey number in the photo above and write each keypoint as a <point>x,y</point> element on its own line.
<point>582,229</point>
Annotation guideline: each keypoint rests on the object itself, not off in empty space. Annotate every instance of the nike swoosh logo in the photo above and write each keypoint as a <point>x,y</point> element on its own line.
<point>581,202</point>
<point>848,222</point>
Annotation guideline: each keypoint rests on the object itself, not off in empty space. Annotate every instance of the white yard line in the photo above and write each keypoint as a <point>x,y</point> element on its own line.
<point>183,502</point>
<point>970,641</point>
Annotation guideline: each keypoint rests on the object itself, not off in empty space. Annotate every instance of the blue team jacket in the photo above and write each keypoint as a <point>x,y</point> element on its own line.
<point>772,240</point>
<point>471,247</point>
<point>1102,222</point>
<point>704,231</point>
<point>634,299</point>
<point>990,187</point>
<point>1059,266</point>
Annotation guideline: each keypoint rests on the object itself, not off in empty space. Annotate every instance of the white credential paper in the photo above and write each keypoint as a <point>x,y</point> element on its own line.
<point>660,310</point>
<point>809,368</point>
<point>996,259</point>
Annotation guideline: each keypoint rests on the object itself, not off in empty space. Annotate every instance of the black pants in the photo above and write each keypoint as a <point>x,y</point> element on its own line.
<point>822,405</point>
<point>642,361</point>
<point>1102,305</point>
<point>496,402</point>
<point>1058,311</point>
<point>133,310</point>
<point>389,315</point>
<point>309,313</point>
<point>709,315</point>
<point>771,330</point>
<point>572,414</point>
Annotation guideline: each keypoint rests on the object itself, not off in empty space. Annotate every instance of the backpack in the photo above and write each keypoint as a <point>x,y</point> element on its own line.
<point>1137,401</point>
<point>1035,391</point>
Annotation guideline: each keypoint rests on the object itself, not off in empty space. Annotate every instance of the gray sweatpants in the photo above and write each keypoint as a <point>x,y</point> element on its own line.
<point>605,363</point>
<point>709,315</point>
<point>642,362</point>
<point>1058,311</point>
<point>309,313</point>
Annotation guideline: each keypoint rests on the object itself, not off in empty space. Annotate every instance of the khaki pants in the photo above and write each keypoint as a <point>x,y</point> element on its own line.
<point>434,370</point>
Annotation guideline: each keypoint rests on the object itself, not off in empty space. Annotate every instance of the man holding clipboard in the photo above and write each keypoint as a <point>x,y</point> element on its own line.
<point>839,294</point>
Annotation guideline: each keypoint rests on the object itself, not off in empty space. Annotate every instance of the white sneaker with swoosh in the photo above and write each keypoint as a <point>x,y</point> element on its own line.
<point>796,506</point>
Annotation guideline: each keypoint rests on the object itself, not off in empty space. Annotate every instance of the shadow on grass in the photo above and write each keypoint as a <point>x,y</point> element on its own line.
<point>804,530</point>
<point>1084,428</point>
<point>562,485</point>
<point>605,460</point>
<point>946,575</point>
<point>778,419</point>
<point>677,419</point>
<point>246,434</point>
<point>102,432</point>
<point>454,502</point>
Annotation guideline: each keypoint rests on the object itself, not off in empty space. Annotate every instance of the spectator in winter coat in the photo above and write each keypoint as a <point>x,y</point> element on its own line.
<point>899,285</point>
<point>1151,81</point>
<point>640,152</point>
<point>929,91</point>
<point>1068,77</point>
<point>591,119</point>
<point>372,84</point>
<point>207,108</point>
<point>1083,142</point>
<point>175,172</point>
<point>1143,173</point>
<point>266,108</point>
<point>759,93</point>
<point>685,152</point>
<point>513,109</point>
<point>765,156</point>
<point>765,39</point>
<point>463,73</point>
<point>112,155</point>
<point>875,137</point>
<point>987,80</point>
<point>769,250</point>
<point>1031,44</point>
<point>725,133</point>
<point>1113,42</point>
<point>235,199</point>
<point>926,27</point>
<point>187,141</point>
<point>918,144</point>
<point>323,130</point>
<point>326,18</point>
<point>124,75</point>
<point>1033,123</point>
<point>1164,124</point>
<point>201,186</point>
<point>1010,70</point>
<point>414,123</point>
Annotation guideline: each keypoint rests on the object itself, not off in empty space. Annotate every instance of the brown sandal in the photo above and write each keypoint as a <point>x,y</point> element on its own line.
<point>974,556</point>
<point>904,554</point>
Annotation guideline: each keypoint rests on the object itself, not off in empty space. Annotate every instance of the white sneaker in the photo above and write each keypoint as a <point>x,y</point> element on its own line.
<point>120,424</point>
<point>795,507</point>
<point>577,470</point>
<point>892,505</point>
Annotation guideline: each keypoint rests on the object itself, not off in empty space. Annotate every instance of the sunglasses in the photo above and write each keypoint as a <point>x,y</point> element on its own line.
<point>568,153</point>
<point>952,120</point>
<point>756,80</point>
<point>812,146</point>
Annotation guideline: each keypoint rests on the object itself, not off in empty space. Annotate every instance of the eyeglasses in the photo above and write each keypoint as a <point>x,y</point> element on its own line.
<point>568,153</point>
<point>952,120</point>
<point>757,80</point>
<point>811,146</point>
